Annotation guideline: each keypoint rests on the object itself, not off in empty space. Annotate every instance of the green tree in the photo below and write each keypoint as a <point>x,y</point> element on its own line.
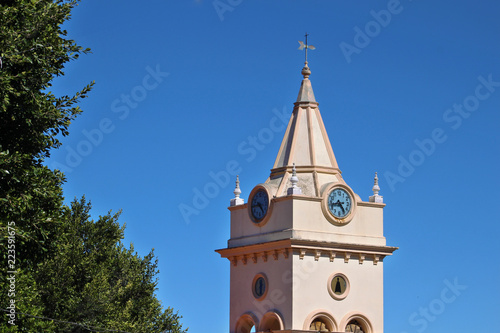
<point>68,268</point>
<point>92,279</point>
<point>33,52</point>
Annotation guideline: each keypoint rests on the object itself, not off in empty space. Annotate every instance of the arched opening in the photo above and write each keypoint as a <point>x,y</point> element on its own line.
<point>356,323</point>
<point>319,325</point>
<point>246,324</point>
<point>320,321</point>
<point>271,322</point>
<point>355,326</point>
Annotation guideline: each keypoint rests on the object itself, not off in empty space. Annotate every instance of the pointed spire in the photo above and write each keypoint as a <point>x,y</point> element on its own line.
<point>306,144</point>
<point>237,200</point>
<point>294,180</point>
<point>306,93</point>
<point>375,197</point>
<point>306,141</point>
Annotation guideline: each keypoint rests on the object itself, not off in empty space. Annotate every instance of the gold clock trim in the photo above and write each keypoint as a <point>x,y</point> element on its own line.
<point>328,214</point>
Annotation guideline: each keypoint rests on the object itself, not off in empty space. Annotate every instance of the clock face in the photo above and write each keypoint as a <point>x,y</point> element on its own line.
<point>259,205</point>
<point>339,203</point>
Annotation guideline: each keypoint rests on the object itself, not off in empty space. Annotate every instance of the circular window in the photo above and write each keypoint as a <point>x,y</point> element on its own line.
<point>259,286</point>
<point>338,286</point>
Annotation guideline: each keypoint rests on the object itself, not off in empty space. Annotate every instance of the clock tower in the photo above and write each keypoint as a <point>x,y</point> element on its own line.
<point>306,252</point>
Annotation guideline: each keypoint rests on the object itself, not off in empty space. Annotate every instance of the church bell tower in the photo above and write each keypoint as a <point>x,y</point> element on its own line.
<point>306,252</point>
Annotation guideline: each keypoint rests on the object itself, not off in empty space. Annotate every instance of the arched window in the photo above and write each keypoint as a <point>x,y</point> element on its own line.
<point>355,326</point>
<point>246,324</point>
<point>271,322</point>
<point>319,325</point>
<point>320,321</point>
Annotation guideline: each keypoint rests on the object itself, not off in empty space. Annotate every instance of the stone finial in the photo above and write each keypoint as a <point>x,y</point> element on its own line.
<point>375,197</point>
<point>376,188</point>
<point>237,200</point>
<point>237,190</point>
<point>306,71</point>
<point>294,180</point>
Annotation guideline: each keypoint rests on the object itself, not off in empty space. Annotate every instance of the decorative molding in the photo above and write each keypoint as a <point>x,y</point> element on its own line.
<point>281,188</point>
<point>310,135</point>
<point>233,260</point>
<point>371,204</point>
<point>347,256</point>
<point>238,207</point>
<point>306,247</point>
<point>302,254</point>
<point>316,182</point>
<point>308,169</point>
<point>276,254</point>
<point>361,258</point>
<point>254,258</point>
<point>317,254</point>
<point>295,197</point>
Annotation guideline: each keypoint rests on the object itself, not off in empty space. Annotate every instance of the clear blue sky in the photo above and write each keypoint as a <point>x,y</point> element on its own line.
<point>430,72</point>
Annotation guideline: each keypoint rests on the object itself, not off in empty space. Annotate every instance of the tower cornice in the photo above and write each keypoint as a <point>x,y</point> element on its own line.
<point>320,250</point>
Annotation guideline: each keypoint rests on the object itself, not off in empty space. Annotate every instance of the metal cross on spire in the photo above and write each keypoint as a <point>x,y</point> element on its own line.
<point>305,46</point>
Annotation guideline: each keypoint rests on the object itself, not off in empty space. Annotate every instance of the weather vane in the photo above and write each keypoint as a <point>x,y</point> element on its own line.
<point>305,46</point>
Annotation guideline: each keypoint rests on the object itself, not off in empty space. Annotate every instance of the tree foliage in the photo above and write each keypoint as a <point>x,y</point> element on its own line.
<point>73,274</point>
<point>92,279</point>
<point>33,51</point>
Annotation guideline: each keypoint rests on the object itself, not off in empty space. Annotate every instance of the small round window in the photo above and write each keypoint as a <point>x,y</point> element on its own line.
<point>259,286</point>
<point>338,286</point>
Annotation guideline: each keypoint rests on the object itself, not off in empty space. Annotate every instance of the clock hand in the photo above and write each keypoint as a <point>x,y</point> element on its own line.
<point>260,206</point>
<point>341,207</point>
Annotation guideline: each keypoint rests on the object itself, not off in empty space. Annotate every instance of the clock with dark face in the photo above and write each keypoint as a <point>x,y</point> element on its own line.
<point>339,203</point>
<point>259,205</point>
